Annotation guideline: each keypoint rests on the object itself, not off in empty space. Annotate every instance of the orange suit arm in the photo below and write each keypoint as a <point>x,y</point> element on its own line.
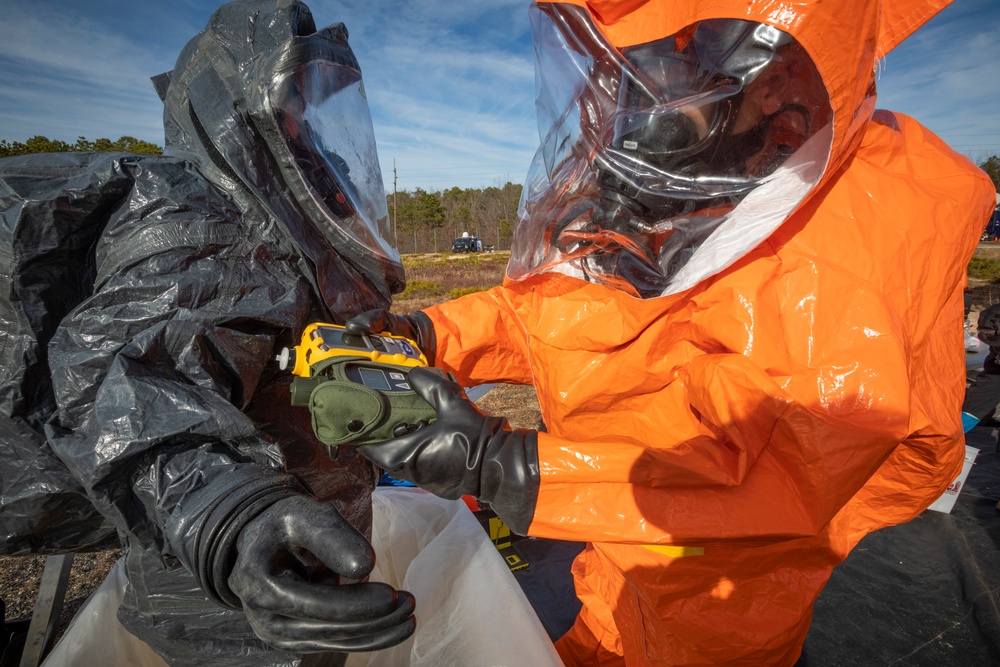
<point>479,339</point>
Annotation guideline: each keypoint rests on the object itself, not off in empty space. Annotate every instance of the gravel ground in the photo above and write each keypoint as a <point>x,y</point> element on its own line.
<point>21,576</point>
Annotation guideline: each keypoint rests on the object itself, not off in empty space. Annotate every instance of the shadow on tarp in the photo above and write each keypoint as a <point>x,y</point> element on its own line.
<point>548,583</point>
<point>922,593</point>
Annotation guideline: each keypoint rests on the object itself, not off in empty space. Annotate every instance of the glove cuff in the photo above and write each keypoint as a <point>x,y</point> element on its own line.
<point>417,326</point>
<point>203,531</point>
<point>423,328</point>
<point>509,478</point>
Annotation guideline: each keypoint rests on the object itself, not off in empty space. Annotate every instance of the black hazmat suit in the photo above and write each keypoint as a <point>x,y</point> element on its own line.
<point>143,301</point>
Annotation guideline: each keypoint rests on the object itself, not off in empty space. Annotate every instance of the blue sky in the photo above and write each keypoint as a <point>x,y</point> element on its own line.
<point>450,82</point>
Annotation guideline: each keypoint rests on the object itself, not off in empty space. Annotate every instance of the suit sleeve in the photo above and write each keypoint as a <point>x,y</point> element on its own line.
<point>153,369</point>
<point>480,339</point>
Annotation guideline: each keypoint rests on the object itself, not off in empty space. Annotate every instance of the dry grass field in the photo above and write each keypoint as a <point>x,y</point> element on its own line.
<point>434,278</point>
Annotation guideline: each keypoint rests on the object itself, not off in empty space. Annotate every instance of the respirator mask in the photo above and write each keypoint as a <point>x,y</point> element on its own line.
<point>673,135</point>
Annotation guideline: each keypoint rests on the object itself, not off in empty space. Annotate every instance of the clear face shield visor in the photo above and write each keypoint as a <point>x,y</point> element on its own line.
<point>657,119</point>
<point>649,150</point>
<point>321,114</point>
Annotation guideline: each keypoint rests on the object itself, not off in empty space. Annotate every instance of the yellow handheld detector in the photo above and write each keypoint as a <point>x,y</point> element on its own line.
<point>356,386</point>
<point>321,341</point>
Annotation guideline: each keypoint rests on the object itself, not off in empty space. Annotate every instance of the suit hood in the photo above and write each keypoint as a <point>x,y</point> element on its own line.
<point>677,136</point>
<point>268,105</point>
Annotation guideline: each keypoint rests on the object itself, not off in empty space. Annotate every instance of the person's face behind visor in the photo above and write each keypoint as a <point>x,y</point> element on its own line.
<point>653,151</point>
<point>322,115</point>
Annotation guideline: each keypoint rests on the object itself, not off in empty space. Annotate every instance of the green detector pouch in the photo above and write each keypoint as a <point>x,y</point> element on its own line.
<point>354,401</point>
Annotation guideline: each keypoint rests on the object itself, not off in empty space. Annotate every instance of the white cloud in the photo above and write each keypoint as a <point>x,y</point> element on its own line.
<point>945,77</point>
<point>66,76</point>
<point>451,87</point>
<point>450,82</point>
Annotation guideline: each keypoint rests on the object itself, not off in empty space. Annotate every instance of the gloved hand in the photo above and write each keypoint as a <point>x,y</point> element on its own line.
<point>465,452</point>
<point>256,540</point>
<point>415,326</point>
<point>290,559</point>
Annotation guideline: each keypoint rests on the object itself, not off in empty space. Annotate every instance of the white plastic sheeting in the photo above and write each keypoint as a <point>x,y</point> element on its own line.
<point>95,637</point>
<point>470,609</point>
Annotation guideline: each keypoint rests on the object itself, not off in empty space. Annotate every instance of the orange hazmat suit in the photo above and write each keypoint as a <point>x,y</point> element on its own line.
<point>722,447</point>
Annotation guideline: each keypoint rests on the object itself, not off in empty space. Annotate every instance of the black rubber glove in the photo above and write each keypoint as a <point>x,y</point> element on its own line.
<point>465,452</point>
<point>290,559</point>
<point>415,326</point>
<point>256,540</point>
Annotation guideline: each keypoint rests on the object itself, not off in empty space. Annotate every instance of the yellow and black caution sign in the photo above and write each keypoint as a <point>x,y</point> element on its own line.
<point>503,539</point>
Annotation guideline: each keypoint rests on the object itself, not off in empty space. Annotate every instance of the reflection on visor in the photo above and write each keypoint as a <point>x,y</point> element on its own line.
<point>324,169</point>
<point>321,111</point>
<point>667,106</point>
<point>710,136</point>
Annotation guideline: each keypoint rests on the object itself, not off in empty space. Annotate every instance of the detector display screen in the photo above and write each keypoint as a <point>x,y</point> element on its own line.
<point>380,379</point>
<point>375,379</point>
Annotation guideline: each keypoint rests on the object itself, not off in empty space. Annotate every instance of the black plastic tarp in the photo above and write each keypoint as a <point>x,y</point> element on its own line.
<point>924,592</point>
